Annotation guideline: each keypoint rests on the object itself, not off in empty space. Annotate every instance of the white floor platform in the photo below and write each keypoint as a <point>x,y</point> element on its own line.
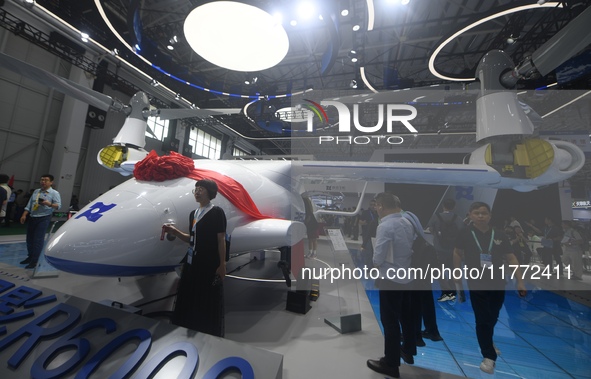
<point>256,315</point>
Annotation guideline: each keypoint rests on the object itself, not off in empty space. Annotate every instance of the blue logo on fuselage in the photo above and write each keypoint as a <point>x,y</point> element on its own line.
<point>96,211</point>
<point>464,193</point>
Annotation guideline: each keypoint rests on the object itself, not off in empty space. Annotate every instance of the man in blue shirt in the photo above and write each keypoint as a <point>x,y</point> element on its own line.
<point>40,207</point>
<point>392,254</point>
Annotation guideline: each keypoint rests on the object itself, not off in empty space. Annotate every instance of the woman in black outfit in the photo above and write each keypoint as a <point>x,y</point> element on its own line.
<point>200,296</point>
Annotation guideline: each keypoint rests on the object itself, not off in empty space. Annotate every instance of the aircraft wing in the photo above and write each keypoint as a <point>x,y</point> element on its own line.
<point>559,161</point>
<point>63,85</point>
<point>172,114</point>
<point>412,173</point>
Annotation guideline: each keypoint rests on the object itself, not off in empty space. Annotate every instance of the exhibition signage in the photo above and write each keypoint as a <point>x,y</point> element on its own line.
<point>337,240</point>
<point>47,334</point>
<point>350,186</point>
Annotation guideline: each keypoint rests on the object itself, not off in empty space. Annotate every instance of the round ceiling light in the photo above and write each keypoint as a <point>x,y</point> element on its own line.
<point>236,36</point>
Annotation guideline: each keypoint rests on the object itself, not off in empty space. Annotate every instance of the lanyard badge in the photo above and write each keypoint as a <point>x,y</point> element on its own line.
<point>485,257</point>
<point>199,212</point>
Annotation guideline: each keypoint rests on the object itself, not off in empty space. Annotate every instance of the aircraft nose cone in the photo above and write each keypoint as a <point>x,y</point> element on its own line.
<point>118,234</point>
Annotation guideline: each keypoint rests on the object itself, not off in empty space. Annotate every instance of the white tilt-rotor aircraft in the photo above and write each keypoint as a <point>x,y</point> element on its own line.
<point>118,234</point>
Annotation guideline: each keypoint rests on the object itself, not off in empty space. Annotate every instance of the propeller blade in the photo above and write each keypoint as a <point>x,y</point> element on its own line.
<point>571,39</point>
<point>65,86</point>
<point>172,114</point>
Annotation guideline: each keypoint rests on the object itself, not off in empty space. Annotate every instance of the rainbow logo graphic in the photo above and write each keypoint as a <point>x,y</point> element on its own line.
<point>316,109</point>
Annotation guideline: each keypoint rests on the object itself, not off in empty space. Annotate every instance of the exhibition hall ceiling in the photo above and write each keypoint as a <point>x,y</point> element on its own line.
<point>327,53</point>
<point>395,45</point>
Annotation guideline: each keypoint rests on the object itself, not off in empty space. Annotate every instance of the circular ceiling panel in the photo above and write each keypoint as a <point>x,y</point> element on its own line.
<point>236,36</point>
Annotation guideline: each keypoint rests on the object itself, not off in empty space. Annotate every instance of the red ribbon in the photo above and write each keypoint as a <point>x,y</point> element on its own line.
<point>175,165</point>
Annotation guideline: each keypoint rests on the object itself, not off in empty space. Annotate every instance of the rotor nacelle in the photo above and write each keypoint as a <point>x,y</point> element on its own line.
<point>120,158</point>
<point>528,164</point>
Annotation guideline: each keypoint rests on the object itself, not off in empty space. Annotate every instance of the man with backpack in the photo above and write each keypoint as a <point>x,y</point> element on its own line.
<point>445,227</point>
<point>423,306</point>
<point>393,251</point>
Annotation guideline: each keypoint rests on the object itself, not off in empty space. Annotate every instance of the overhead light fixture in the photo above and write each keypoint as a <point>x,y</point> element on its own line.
<point>353,84</point>
<point>356,27</point>
<point>84,37</point>
<point>513,37</point>
<point>293,23</point>
<point>177,96</point>
<point>344,12</point>
<point>306,10</point>
<point>370,15</point>
<point>154,83</point>
<point>132,49</point>
<point>207,28</point>
<point>354,59</point>
<point>278,17</point>
<point>114,52</point>
<point>172,42</point>
<point>365,80</point>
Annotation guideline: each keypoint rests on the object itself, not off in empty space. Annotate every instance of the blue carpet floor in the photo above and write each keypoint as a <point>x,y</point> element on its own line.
<point>542,336</point>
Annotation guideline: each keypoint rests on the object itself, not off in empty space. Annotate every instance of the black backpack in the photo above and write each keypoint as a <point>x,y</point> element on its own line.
<point>584,236</point>
<point>448,231</point>
<point>423,256</point>
<point>423,253</point>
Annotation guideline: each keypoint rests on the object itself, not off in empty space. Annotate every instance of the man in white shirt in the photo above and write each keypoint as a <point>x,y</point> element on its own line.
<point>5,193</point>
<point>40,208</point>
<point>392,252</point>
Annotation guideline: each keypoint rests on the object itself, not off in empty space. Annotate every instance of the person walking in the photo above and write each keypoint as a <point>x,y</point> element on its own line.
<point>445,227</point>
<point>40,208</point>
<point>393,250</point>
<point>482,248</point>
<point>5,193</point>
